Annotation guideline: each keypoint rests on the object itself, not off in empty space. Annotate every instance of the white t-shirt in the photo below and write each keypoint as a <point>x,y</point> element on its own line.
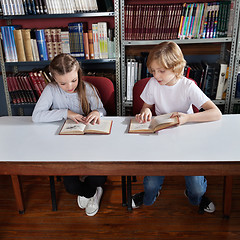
<point>177,98</point>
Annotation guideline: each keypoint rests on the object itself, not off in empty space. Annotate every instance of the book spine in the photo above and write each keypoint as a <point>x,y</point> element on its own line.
<point>95,41</point>
<point>35,84</point>
<point>49,43</point>
<point>65,41</point>
<point>76,39</point>
<point>19,45</point>
<point>41,43</point>
<point>27,44</point>
<point>90,39</point>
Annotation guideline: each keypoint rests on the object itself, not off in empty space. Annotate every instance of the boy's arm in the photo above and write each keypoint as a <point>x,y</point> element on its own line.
<point>211,113</point>
<point>145,113</point>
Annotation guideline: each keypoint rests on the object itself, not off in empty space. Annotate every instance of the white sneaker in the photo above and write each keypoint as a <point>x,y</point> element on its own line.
<point>93,204</point>
<point>82,202</point>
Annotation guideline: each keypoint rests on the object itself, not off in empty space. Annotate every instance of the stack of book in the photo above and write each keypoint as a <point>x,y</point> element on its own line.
<point>28,7</point>
<point>22,45</point>
<point>26,87</point>
<point>183,21</point>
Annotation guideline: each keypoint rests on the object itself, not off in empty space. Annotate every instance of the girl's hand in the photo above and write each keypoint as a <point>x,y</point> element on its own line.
<point>183,118</point>
<point>75,117</point>
<point>93,117</point>
<point>144,116</point>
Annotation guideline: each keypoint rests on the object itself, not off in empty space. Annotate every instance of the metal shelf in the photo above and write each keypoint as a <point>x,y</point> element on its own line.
<point>178,41</point>
<point>41,63</point>
<point>65,15</point>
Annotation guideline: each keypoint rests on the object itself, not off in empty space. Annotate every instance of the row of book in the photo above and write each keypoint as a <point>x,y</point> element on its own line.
<point>182,21</point>
<point>26,87</point>
<point>44,44</point>
<point>32,7</point>
<point>211,78</point>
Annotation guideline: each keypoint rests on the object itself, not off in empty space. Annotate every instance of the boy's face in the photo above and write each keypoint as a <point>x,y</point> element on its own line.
<point>162,75</point>
<point>67,82</point>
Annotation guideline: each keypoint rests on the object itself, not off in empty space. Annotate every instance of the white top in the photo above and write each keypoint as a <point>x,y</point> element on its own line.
<point>176,98</point>
<point>21,140</point>
<point>54,103</point>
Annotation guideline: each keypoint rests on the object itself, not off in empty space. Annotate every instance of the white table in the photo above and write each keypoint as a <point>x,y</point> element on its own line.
<point>212,148</point>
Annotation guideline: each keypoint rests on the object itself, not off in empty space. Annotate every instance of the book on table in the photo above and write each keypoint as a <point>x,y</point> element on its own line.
<point>157,123</point>
<point>72,128</point>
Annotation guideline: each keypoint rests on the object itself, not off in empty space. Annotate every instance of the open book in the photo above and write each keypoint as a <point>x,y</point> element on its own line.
<point>157,123</point>
<point>71,128</point>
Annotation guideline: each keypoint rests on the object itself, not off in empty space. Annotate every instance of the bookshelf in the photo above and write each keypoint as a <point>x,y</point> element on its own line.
<point>59,20</point>
<point>223,49</point>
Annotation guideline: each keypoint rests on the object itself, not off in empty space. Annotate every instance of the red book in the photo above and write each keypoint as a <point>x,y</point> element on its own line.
<point>35,84</point>
<point>11,91</point>
<point>29,87</point>
<point>41,80</point>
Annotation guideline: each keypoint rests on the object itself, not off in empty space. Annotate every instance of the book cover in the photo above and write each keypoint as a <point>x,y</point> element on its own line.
<point>71,128</point>
<point>156,124</point>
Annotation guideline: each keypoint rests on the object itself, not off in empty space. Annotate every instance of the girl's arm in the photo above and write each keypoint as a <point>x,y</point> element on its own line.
<point>145,113</point>
<point>211,113</point>
<point>42,111</point>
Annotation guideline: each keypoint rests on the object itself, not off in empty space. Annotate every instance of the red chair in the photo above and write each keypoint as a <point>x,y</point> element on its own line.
<point>106,90</point>
<point>107,94</point>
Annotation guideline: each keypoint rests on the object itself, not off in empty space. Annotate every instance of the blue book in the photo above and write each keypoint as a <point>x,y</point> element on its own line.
<point>41,43</point>
<point>76,38</point>
<point>9,43</point>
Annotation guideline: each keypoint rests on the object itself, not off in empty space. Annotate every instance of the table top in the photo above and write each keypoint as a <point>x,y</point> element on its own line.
<point>21,140</point>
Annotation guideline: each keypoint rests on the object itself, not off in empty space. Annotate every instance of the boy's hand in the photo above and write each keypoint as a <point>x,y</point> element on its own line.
<point>144,116</point>
<point>182,117</point>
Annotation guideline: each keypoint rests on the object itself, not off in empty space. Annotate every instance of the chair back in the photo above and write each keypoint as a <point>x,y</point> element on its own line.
<point>137,90</point>
<point>138,102</point>
<point>106,90</point>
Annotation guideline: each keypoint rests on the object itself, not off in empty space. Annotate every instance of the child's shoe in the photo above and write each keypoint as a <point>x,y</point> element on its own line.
<point>93,204</point>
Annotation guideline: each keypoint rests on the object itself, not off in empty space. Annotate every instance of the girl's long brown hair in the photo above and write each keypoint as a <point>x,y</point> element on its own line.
<point>65,63</point>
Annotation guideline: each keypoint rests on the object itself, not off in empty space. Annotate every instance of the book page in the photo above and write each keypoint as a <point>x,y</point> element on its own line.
<point>104,127</point>
<point>161,119</point>
<point>139,127</point>
<point>70,127</point>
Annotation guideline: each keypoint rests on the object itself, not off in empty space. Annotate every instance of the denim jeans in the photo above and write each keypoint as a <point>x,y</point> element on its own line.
<point>196,186</point>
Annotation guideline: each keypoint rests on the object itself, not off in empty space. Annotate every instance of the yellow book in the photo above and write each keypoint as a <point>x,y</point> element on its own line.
<point>157,123</point>
<point>71,128</point>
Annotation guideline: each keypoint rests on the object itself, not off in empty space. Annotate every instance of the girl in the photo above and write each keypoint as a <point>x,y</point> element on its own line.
<point>171,92</point>
<point>68,96</point>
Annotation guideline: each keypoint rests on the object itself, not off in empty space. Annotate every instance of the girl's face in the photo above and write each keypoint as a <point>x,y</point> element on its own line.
<point>67,82</point>
<point>162,75</point>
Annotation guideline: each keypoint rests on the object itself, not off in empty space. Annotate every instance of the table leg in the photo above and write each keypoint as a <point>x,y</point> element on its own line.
<point>227,196</point>
<point>17,188</point>
<point>53,193</point>
<point>124,201</point>
<point>129,193</point>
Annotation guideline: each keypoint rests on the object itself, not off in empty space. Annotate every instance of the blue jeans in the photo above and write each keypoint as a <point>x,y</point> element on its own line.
<point>196,186</point>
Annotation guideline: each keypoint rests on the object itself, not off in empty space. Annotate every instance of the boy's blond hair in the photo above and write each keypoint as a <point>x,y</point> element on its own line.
<point>168,55</point>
